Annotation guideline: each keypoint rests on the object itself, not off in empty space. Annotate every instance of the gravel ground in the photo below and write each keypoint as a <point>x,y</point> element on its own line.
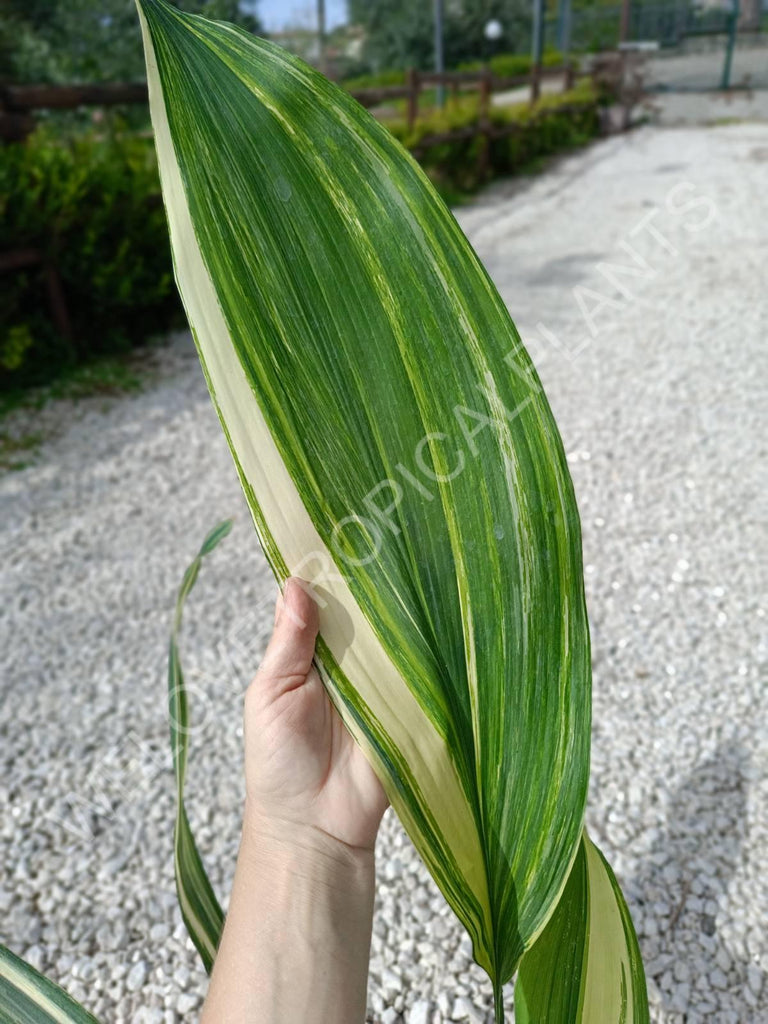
<point>656,383</point>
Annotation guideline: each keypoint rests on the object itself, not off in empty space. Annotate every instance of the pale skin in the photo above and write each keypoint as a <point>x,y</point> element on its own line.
<point>297,936</point>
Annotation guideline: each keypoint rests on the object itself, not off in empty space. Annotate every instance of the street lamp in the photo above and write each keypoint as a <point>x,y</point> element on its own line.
<point>493,30</point>
<point>439,60</point>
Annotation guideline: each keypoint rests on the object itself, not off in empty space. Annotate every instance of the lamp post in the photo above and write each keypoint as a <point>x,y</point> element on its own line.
<point>537,47</point>
<point>439,57</point>
<point>537,42</point>
<point>564,27</point>
<point>493,31</point>
<point>624,25</point>
<point>733,21</point>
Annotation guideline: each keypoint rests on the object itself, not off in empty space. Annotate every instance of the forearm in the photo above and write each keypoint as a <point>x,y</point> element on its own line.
<point>297,936</point>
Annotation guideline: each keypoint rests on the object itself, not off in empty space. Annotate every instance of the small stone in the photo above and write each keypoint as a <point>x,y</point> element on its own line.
<point>187,1002</point>
<point>136,976</point>
<point>463,1009</point>
<point>681,996</point>
<point>181,976</point>
<point>35,957</point>
<point>717,978</point>
<point>443,1002</point>
<point>723,959</point>
<point>84,969</point>
<point>682,970</point>
<point>389,1016</point>
<point>754,978</point>
<point>149,1015</point>
<point>391,984</point>
<point>420,1012</point>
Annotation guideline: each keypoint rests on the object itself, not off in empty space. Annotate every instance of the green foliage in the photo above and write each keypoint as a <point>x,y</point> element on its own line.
<point>511,65</point>
<point>375,80</point>
<point>91,206</point>
<point>400,33</point>
<point>504,65</point>
<point>457,165</point>
<point>86,40</point>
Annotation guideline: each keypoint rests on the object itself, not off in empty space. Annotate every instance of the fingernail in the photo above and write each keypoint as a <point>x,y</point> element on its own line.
<point>292,601</point>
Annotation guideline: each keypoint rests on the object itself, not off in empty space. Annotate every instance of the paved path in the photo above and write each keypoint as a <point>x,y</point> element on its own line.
<point>657,379</point>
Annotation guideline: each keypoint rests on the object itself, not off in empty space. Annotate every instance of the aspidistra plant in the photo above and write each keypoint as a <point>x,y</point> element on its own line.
<point>397,451</point>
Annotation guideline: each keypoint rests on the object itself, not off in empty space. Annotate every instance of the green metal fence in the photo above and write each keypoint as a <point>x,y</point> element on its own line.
<point>699,46</point>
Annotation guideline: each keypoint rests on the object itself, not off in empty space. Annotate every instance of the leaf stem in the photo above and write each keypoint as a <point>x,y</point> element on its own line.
<point>498,1002</point>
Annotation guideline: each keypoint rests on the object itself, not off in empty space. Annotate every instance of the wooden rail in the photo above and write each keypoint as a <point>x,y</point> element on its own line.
<point>19,102</point>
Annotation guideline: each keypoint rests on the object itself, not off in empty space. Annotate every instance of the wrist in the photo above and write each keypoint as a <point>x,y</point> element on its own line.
<point>299,848</point>
<point>297,936</point>
<point>318,889</point>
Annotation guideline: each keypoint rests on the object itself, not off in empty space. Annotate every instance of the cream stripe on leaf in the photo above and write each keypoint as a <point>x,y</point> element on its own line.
<point>27,997</point>
<point>355,352</point>
<point>585,968</point>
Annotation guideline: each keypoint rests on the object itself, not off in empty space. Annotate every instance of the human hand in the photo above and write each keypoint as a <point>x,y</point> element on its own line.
<point>303,769</point>
<point>297,935</point>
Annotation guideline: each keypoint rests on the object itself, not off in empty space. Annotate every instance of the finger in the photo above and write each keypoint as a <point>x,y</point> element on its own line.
<point>288,658</point>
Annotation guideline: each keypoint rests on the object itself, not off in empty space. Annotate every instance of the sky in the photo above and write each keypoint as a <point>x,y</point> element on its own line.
<point>277,14</point>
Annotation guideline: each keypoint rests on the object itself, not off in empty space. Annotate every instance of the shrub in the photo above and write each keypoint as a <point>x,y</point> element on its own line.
<point>91,207</point>
<point>548,127</point>
<point>512,65</point>
<point>378,80</point>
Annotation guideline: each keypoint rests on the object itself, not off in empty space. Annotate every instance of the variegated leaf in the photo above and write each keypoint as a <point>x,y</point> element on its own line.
<point>27,997</point>
<point>200,909</point>
<point>397,450</point>
<point>586,965</point>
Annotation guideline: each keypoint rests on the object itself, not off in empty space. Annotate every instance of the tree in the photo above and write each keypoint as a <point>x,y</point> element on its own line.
<point>87,40</point>
<point>399,33</point>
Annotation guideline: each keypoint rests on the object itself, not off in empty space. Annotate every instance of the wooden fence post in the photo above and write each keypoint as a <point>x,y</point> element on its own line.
<point>23,259</point>
<point>483,156</point>
<point>570,75</point>
<point>414,85</point>
<point>485,94</point>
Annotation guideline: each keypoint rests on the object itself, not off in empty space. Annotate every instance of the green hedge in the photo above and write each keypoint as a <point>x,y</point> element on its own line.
<point>375,80</point>
<point>546,128</point>
<point>505,65</point>
<point>512,65</point>
<point>92,207</point>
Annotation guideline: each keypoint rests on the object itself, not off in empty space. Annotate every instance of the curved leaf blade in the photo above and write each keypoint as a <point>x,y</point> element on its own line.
<point>396,448</point>
<point>586,967</point>
<point>200,909</point>
<point>28,997</point>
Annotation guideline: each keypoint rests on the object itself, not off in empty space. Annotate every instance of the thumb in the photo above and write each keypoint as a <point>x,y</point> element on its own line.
<point>289,655</point>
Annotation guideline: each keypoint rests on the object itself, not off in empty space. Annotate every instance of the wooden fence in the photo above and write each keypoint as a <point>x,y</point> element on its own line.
<point>18,103</point>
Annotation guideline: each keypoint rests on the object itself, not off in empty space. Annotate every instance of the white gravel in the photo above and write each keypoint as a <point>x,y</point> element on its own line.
<point>662,413</point>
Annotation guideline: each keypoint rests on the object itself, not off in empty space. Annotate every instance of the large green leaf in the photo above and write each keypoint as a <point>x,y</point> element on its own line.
<point>586,965</point>
<point>396,448</point>
<point>27,997</point>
